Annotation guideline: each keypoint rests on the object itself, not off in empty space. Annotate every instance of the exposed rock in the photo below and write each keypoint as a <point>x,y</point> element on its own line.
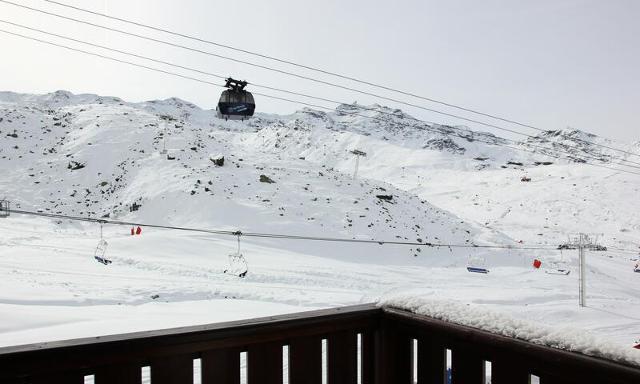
<point>218,160</point>
<point>134,207</point>
<point>444,144</point>
<point>74,165</point>
<point>266,179</point>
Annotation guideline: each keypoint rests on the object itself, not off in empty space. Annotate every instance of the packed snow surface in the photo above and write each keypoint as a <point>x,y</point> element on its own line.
<point>101,157</point>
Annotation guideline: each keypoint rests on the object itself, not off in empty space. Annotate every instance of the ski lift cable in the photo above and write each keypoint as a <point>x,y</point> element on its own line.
<point>586,155</point>
<point>238,234</point>
<point>544,150</point>
<point>295,101</point>
<point>289,100</point>
<point>326,72</point>
<point>257,65</point>
<point>623,251</point>
<point>288,73</point>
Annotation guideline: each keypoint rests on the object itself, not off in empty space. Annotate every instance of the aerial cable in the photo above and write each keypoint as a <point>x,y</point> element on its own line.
<point>152,68</point>
<point>306,103</point>
<point>273,69</point>
<point>543,149</point>
<point>327,72</point>
<point>237,234</point>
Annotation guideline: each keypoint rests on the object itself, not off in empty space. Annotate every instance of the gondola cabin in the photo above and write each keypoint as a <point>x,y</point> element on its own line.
<point>235,103</point>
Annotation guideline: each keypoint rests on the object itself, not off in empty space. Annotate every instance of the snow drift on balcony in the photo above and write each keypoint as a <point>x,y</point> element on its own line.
<point>566,338</point>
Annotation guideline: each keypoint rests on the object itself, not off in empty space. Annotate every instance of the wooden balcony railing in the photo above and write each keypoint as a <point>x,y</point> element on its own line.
<point>361,344</point>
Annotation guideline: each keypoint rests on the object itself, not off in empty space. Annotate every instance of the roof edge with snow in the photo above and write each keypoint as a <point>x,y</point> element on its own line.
<point>564,338</point>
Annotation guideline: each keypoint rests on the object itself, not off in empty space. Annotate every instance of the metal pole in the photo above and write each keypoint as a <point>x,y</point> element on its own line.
<point>583,276</point>
<point>355,173</point>
<point>164,139</point>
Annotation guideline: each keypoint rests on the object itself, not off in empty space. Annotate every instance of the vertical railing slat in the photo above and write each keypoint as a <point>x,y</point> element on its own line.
<point>432,361</point>
<point>343,359</point>
<point>118,374</point>
<point>305,360</point>
<point>172,370</point>
<point>466,366</point>
<point>220,366</point>
<point>264,363</point>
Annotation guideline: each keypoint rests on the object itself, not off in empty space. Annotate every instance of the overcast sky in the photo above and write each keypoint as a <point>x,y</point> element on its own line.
<point>551,63</point>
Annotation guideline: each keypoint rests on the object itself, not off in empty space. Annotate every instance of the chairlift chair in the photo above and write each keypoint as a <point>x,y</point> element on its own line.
<point>235,102</point>
<point>101,249</point>
<point>238,265</point>
<point>558,267</point>
<point>477,264</point>
<point>558,271</point>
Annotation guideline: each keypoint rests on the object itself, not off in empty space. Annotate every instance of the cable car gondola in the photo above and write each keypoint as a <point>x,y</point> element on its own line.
<point>235,103</point>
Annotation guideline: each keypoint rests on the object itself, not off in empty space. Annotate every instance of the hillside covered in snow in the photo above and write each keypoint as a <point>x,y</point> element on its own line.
<point>160,162</point>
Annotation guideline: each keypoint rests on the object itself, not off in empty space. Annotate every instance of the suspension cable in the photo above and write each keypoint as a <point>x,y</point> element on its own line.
<point>543,149</point>
<point>327,72</point>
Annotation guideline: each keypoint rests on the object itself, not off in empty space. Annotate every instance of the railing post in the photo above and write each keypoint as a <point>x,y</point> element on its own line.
<point>118,374</point>
<point>368,350</point>
<point>393,355</point>
<point>305,360</point>
<point>220,366</point>
<point>58,378</point>
<point>508,371</point>
<point>343,358</point>
<point>264,363</point>
<point>432,360</point>
<point>172,369</point>
<point>466,366</point>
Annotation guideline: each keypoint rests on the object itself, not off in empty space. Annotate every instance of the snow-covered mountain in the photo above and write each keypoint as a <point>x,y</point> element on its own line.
<point>99,156</point>
<point>102,157</point>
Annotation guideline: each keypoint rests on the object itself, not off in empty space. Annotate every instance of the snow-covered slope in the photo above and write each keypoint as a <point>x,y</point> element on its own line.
<point>100,157</point>
<point>477,176</point>
<point>88,155</point>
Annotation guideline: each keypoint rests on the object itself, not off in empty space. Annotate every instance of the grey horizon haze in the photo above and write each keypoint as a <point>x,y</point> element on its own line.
<point>552,64</point>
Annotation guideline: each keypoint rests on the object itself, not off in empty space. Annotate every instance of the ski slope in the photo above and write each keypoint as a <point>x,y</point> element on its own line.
<point>52,288</point>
